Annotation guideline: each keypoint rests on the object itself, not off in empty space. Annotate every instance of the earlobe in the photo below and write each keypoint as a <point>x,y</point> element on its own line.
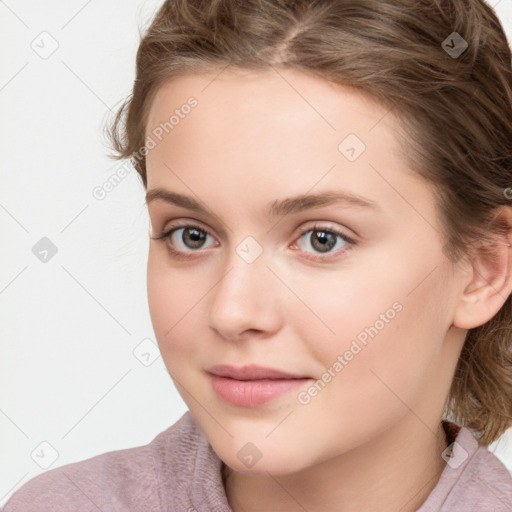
<point>490,283</point>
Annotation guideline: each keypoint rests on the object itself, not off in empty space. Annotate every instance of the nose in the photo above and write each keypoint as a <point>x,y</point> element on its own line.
<point>245,301</point>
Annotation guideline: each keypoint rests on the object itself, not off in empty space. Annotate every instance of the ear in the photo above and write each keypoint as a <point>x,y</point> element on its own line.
<point>489,282</point>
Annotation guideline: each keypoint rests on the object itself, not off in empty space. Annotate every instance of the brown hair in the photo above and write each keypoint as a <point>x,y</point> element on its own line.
<point>455,109</point>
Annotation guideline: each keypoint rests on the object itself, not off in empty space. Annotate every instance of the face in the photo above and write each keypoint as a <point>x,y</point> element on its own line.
<point>296,239</point>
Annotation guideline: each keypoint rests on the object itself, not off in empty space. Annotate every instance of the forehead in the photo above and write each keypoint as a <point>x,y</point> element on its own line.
<point>274,134</point>
<point>278,115</point>
<point>284,95</point>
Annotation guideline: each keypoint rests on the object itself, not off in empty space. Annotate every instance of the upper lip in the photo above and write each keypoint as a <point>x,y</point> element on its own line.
<point>251,372</point>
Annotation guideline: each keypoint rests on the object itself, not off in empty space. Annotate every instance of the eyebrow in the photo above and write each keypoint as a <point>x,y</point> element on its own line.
<point>276,208</point>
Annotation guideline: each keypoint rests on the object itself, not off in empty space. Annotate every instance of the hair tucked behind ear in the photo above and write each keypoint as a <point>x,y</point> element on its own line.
<point>456,112</point>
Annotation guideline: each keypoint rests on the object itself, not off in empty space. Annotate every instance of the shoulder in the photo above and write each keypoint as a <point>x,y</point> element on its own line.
<point>118,481</point>
<point>473,480</point>
<point>487,483</point>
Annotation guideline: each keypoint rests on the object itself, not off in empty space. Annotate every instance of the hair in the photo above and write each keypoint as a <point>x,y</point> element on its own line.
<point>455,112</point>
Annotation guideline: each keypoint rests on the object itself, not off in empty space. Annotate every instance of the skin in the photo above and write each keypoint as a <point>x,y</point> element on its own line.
<point>371,438</point>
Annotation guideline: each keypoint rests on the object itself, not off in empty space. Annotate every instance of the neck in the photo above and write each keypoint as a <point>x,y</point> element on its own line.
<point>396,471</point>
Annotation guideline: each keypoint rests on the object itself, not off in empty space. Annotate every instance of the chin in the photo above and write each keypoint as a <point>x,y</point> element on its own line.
<point>264,461</point>
<point>263,469</point>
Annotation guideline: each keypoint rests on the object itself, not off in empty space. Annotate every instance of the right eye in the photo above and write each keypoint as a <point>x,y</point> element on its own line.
<point>185,238</point>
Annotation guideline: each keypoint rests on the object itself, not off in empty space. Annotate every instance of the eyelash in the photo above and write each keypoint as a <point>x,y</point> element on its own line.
<point>317,227</point>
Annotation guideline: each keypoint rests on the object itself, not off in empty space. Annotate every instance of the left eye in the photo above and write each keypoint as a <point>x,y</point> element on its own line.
<point>324,240</point>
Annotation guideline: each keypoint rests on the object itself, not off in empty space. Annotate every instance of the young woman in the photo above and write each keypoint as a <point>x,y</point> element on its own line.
<point>329,272</point>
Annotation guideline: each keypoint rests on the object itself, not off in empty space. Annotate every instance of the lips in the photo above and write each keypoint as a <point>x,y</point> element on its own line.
<point>253,386</point>
<point>252,372</point>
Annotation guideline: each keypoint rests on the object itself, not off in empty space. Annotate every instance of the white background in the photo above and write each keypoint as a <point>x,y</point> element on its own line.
<point>68,373</point>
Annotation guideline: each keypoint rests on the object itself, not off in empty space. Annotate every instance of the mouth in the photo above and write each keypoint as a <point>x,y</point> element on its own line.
<point>252,372</point>
<point>252,386</point>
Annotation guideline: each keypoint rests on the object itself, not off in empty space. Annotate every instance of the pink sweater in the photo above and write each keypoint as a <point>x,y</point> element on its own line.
<point>179,472</point>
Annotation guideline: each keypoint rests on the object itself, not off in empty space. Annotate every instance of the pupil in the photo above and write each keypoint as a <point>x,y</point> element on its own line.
<point>193,238</point>
<point>323,241</point>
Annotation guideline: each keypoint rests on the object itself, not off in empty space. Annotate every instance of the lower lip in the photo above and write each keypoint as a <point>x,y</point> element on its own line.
<point>252,393</point>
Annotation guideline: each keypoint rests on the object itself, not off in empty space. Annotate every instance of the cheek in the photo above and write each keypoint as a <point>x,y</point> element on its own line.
<point>174,300</point>
<point>374,373</point>
<point>375,332</point>
<point>344,310</point>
